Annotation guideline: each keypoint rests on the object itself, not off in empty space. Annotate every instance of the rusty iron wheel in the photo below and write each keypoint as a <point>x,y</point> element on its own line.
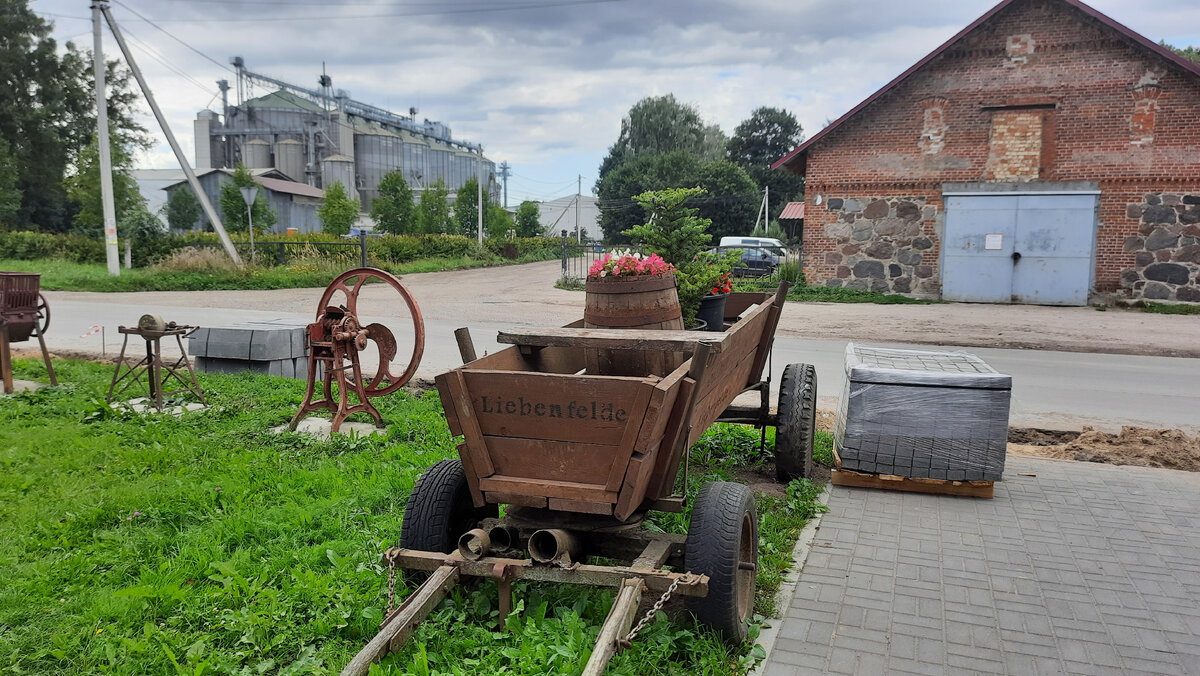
<point>722,543</point>
<point>350,284</point>
<point>43,314</point>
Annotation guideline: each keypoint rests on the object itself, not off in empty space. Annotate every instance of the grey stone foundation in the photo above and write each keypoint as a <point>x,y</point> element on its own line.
<point>272,347</point>
<point>881,245</point>
<point>1166,249</point>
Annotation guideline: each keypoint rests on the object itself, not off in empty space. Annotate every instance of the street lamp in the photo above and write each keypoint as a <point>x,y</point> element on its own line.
<point>249,194</point>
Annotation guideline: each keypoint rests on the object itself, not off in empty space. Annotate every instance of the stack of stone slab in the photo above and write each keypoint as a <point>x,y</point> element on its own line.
<point>276,347</point>
<point>935,415</point>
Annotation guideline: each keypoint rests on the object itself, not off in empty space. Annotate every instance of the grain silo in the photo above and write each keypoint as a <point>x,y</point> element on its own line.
<point>256,154</point>
<point>289,158</point>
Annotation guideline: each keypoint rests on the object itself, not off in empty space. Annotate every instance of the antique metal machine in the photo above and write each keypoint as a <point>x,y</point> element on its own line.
<point>158,373</point>
<point>337,337</point>
<point>24,312</point>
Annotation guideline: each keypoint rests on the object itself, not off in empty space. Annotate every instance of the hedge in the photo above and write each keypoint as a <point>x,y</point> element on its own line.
<point>387,248</point>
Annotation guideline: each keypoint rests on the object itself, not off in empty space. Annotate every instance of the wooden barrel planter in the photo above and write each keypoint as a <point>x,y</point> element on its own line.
<point>632,302</point>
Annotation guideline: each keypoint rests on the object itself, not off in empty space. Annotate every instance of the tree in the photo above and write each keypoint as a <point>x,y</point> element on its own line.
<point>673,230</point>
<point>10,193</point>
<point>497,222</point>
<point>47,113</point>
<point>338,212</point>
<point>527,223</point>
<point>182,209</point>
<point>761,140</point>
<point>83,188</point>
<point>466,208</point>
<point>393,210</point>
<point>730,202</point>
<point>233,206</point>
<point>433,212</point>
<point>657,125</point>
<point>1190,53</point>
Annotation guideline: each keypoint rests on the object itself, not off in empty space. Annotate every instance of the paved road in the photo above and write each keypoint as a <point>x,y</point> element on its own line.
<point>1057,390</point>
<point>1081,569</point>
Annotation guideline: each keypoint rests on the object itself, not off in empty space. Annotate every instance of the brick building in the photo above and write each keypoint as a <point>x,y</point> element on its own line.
<point>1044,153</point>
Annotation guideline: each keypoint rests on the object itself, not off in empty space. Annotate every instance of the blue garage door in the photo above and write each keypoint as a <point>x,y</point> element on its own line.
<point>1036,248</point>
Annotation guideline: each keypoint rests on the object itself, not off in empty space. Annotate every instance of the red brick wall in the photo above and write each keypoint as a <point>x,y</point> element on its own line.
<point>1111,111</point>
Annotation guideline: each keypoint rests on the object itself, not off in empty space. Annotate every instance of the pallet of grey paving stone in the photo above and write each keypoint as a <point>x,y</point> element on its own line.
<point>276,347</point>
<point>927,414</point>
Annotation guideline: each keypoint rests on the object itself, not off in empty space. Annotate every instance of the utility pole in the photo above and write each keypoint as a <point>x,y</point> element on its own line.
<point>209,211</point>
<point>111,253</point>
<point>578,195</point>
<point>767,209</point>
<point>479,194</point>
<point>504,169</point>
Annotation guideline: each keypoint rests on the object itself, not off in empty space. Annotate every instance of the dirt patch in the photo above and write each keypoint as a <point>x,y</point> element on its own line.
<point>1166,449</point>
<point>36,353</point>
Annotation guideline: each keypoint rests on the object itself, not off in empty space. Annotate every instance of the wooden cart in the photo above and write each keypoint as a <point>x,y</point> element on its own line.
<point>580,457</point>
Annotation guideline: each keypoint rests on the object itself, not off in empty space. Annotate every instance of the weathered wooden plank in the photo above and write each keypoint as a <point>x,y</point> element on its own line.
<point>611,339</point>
<point>524,569</point>
<point>502,498</point>
<point>654,555</point>
<point>558,407</point>
<point>740,301</point>
<point>633,489</point>
<point>666,462</point>
<point>471,431</point>
<point>768,334</point>
<point>554,460</point>
<point>545,360</point>
<point>552,489</point>
<point>971,489</point>
<point>443,386</point>
<point>709,408</point>
<point>658,413</point>
<point>616,626</point>
<point>639,413</point>
<point>583,506</point>
<point>400,625</point>
<point>464,456</point>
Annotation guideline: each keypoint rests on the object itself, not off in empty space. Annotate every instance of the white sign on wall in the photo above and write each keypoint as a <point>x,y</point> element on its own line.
<point>993,242</point>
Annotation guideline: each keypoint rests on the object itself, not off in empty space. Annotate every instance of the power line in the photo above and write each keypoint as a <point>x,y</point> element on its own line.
<point>481,9</point>
<point>172,36</point>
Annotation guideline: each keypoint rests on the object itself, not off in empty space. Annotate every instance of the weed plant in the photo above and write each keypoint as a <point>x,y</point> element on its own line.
<point>207,545</point>
<point>1171,308</point>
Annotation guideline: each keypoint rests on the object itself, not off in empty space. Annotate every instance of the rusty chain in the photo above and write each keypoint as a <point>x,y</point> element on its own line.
<point>391,586</point>
<point>666,596</point>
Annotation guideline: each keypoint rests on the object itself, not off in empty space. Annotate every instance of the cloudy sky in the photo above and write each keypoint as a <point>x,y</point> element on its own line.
<point>543,84</point>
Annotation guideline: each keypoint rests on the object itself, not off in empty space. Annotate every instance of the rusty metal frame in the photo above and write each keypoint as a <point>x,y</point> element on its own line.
<point>158,372</point>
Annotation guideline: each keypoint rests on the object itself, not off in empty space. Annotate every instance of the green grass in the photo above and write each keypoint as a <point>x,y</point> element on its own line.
<point>60,275</point>
<point>1171,309</point>
<point>208,545</point>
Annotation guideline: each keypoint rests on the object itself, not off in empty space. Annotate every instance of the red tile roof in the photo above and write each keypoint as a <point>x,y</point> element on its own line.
<point>793,160</point>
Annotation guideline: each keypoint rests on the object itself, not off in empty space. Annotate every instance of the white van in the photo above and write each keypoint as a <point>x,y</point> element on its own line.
<point>773,245</point>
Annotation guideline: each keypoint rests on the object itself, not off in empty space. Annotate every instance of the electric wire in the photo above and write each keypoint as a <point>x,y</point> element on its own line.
<point>172,35</point>
<point>483,9</point>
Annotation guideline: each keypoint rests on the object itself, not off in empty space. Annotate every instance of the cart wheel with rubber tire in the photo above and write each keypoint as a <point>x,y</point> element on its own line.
<point>722,543</point>
<point>439,509</point>
<point>796,428</point>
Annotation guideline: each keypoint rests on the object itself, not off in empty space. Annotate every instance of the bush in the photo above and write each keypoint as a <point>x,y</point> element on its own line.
<point>28,246</point>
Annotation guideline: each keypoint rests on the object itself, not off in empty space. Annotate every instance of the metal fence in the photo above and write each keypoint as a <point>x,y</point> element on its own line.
<point>277,251</point>
<point>758,267</point>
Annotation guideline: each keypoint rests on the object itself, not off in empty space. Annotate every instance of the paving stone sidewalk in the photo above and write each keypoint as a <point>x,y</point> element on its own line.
<point>1085,568</point>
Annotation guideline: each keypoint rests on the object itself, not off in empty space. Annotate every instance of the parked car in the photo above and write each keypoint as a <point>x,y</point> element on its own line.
<point>760,255</point>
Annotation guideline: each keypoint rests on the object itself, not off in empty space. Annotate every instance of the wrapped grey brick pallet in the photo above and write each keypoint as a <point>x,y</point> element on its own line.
<point>923,414</point>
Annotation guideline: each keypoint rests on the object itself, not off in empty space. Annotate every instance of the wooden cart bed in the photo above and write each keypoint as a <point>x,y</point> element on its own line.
<point>540,430</point>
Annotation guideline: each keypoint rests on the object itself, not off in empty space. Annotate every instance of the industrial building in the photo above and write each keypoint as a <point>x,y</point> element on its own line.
<point>319,136</point>
<point>295,204</point>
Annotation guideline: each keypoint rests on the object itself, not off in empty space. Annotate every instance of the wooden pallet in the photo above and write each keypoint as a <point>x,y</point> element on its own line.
<point>973,489</point>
